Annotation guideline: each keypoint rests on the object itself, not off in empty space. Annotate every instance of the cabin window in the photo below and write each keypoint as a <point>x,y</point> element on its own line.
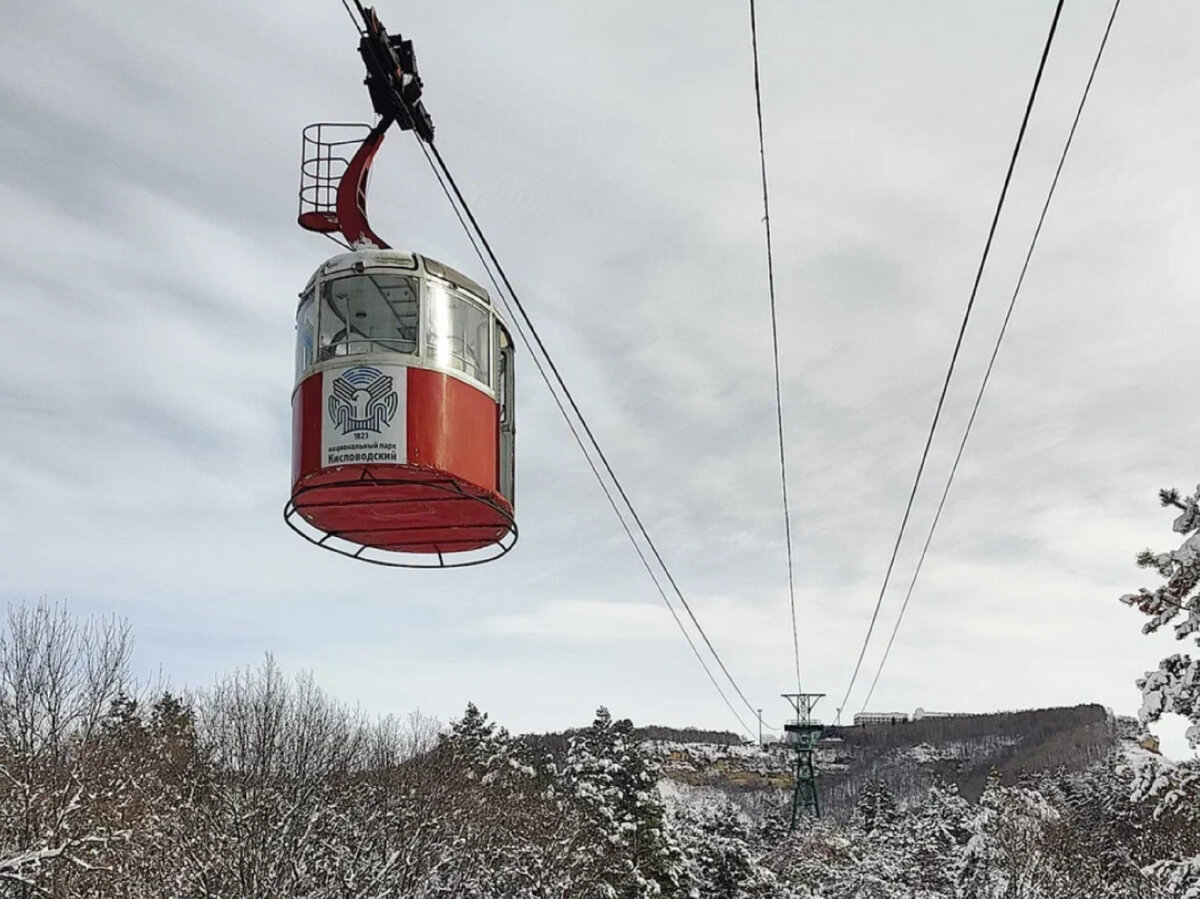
<point>306,327</point>
<point>370,313</point>
<point>458,334</point>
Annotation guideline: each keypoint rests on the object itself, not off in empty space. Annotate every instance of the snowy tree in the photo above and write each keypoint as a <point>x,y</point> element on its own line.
<point>933,838</point>
<point>150,751</point>
<point>278,754</point>
<point>58,678</point>
<point>814,861</point>
<point>1006,856</point>
<point>876,810</point>
<point>883,852</point>
<point>1175,686</point>
<point>495,812</point>
<point>1170,853</point>
<point>615,782</point>
<point>1104,837</point>
<point>721,853</point>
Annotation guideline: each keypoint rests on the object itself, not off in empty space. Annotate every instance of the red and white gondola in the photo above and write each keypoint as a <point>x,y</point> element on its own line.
<point>403,414</point>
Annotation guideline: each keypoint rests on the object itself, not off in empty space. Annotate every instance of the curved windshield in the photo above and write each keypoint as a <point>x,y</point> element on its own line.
<point>306,327</point>
<point>368,313</point>
<point>458,334</point>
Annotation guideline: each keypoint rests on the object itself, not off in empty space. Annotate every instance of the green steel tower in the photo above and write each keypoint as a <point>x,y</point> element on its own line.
<point>803,734</point>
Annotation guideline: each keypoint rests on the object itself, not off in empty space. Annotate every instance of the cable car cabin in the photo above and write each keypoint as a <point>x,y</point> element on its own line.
<point>402,415</point>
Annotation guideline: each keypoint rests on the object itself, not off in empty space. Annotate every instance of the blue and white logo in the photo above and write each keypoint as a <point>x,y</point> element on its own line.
<point>362,399</point>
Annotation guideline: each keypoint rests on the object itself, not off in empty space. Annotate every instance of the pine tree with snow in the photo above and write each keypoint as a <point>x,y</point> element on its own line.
<point>1007,854</point>
<point>478,743</point>
<point>876,809</point>
<point>1175,686</point>
<point>818,859</point>
<point>1105,838</point>
<point>934,840</point>
<point>615,782</point>
<point>883,852</point>
<point>1170,840</point>
<point>722,852</point>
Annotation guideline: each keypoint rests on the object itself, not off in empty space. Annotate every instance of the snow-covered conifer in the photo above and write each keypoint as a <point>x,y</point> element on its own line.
<point>615,781</point>
<point>721,853</point>
<point>1175,686</point>
<point>876,809</point>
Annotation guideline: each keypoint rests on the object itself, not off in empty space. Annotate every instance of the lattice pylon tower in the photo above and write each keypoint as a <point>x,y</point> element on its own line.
<point>803,734</point>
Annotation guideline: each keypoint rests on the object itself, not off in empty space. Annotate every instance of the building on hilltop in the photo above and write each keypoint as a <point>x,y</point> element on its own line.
<point>921,713</point>
<point>880,718</point>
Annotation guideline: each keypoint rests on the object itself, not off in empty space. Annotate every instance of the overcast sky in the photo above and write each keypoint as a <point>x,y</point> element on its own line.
<point>149,267</point>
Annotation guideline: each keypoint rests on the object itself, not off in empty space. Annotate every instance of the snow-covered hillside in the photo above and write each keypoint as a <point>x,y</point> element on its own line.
<point>907,758</point>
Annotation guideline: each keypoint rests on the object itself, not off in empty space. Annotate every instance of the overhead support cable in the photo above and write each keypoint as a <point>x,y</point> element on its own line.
<point>995,351</point>
<point>608,495</point>
<point>536,346</point>
<point>353,18</point>
<point>587,430</point>
<point>954,356</point>
<point>787,515</point>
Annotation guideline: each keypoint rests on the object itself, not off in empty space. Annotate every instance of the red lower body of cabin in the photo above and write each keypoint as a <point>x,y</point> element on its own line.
<point>443,499</point>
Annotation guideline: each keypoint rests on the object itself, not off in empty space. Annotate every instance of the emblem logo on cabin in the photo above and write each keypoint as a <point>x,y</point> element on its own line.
<point>362,399</point>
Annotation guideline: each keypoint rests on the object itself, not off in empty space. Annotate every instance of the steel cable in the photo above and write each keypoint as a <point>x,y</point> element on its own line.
<point>787,515</point>
<point>578,438</point>
<point>995,350</point>
<point>954,356</point>
<point>591,437</point>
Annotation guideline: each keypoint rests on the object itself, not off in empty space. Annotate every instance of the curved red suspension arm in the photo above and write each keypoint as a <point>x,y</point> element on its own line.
<point>349,215</point>
<point>352,191</point>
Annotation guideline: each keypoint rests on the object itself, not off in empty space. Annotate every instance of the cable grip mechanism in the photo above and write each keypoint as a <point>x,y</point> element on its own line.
<point>333,183</point>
